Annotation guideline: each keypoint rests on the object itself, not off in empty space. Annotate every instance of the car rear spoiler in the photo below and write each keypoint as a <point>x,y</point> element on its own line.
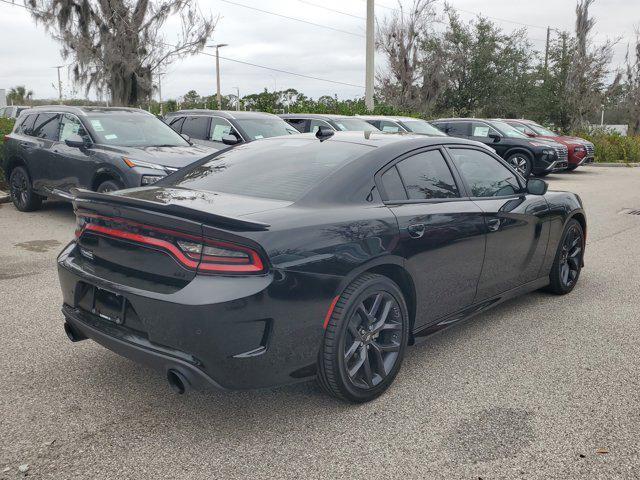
<point>82,196</point>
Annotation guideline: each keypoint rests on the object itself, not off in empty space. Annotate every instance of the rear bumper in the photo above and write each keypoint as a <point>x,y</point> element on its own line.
<point>134,349</point>
<point>220,332</point>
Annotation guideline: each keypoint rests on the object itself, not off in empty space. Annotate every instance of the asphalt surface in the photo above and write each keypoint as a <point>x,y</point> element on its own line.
<point>540,387</point>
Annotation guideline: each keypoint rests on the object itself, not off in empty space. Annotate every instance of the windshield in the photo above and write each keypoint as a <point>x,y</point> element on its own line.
<point>422,127</point>
<point>257,128</point>
<point>279,169</point>
<point>133,130</point>
<point>507,130</point>
<point>354,125</point>
<point>541,130</point>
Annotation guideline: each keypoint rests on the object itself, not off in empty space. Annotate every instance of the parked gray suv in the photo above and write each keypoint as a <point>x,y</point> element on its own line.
<point>55,148</point>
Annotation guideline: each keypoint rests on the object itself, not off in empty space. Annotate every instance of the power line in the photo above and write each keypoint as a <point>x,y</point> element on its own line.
<point>292,18</point>
<point>332,10</point>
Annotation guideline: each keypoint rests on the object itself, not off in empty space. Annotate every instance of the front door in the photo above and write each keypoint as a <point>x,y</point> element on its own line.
<point>517,231</point>
<point>72,166</point>
<point>441,233</point>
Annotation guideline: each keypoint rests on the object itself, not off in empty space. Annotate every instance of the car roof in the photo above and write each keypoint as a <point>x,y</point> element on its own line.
<point>230,114</point>
<point>82,111</point>
<point>320,116</point>
<point>519,120</point>
<point>391,118</point>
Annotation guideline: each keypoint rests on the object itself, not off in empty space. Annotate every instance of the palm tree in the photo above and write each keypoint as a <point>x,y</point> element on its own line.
<point>19,95</point>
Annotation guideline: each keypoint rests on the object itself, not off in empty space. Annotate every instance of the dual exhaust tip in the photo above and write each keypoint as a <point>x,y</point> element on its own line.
<point>177,381</point>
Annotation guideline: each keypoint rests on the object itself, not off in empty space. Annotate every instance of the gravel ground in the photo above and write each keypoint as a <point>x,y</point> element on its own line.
<point>540,387</point>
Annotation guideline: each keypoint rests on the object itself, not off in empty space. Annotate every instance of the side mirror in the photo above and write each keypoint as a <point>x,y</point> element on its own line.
<point>186,137</point>
<point>75,141</point>
<point>535,186</point>
<point>530,134</point>
<point>230,139</point>
<point>495,137</point>
<point>325,132</point>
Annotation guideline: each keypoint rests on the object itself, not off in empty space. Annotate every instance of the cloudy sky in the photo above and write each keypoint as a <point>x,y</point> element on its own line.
<point>27,53</point>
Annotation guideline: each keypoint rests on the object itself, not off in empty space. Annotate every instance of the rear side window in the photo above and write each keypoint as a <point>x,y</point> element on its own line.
<point>47,126</point>
<point>458,128</point>
<point>484,175</point>
<point>280,168</point>
<point>426,176</point>
<point>176,123</point>
<point>26,127</point>
<point>196,127</point>
<point>392,184</point>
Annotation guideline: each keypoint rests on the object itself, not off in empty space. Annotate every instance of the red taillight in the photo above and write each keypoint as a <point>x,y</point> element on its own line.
<point>212,256</point>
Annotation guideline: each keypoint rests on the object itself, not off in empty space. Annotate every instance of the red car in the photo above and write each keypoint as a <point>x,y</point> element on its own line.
<point>580,151</point>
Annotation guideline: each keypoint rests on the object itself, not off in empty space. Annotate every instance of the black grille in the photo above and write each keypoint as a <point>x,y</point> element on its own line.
<point>590,149</point>
<point>562,153</point>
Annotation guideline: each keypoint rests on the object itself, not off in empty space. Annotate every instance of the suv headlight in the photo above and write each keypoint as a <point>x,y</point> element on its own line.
<point>139,163</point>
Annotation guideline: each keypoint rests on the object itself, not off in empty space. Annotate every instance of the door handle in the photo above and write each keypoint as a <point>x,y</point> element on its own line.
<point>493,224</point>
<point>416,230</point>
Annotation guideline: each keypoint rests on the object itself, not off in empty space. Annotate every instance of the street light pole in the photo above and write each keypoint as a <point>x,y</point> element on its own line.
<point>370,53</point>
<point>59,84</point>
<point>238,99</point>
<point>160,91</point>
<point>218,96</point>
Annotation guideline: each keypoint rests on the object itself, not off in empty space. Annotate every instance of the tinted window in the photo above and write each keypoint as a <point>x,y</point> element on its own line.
<point>422,127</point>
<point>426,176</point>
<point>392,184</point>
<point>26,127</point>
<point>176,123</point>
<point>354,125</point>
<point>485,176</point>
<point>47,126</point>
<point>315,124</point>
<point>196,127</point>
<point>279,168</point>
<point>298,124</point>
<point>507,130</point>
<point>458,128</point>
<point>133,129</point>
<point>389,127</point>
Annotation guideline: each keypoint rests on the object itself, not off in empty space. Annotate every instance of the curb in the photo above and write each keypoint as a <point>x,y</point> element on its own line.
<point>4,197</point>
<point>619,164</point>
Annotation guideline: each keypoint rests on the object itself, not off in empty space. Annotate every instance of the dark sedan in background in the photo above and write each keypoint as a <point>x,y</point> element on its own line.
<point>312,122</point>
<point>220,129</point>
<point>294,257</point>
<point>55,148</point>
<point>527,155</point>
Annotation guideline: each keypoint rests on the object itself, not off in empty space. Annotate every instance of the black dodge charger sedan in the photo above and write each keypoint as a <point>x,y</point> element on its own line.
<point>296,257</point>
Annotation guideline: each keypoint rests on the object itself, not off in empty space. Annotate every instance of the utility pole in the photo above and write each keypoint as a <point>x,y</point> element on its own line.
<point>59,84</point>
<point>370,53</point>
<point>218,96</point>
<point>160,90</point>
<point>238,99</point>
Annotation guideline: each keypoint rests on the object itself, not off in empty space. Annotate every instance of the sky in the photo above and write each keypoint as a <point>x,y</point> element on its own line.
<point>28,54</point>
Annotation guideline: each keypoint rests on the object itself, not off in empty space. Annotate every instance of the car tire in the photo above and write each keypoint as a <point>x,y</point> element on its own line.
<point>568,260</point>
<point>521,162</point>
<point>363,348</point>
<point>109,186</point>
<point>22,194</point>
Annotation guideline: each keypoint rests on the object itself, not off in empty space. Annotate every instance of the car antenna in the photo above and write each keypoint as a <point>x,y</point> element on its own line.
<point>324,132</point>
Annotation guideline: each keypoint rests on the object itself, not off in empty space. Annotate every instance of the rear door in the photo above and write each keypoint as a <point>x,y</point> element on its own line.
<point>517,231</point>
<point>42,158</point>
<point>441,232</point>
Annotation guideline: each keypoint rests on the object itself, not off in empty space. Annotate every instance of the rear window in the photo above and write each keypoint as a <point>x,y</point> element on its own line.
<point>277,168</point>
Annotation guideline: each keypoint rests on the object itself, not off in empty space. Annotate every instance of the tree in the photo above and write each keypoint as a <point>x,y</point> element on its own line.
<point>585,87</point>
<point>19,95</point>
<point>117,45</point>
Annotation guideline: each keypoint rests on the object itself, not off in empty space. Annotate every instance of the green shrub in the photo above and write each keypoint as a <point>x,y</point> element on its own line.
<point>6,125</point>
<point>613,147</point>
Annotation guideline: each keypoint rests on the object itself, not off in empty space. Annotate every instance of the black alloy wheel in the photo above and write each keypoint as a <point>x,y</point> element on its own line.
<point>22,195</point>
<point>568,262</point>
<point>521,162</point>
<point>365,340</point>
<point>109,186</point>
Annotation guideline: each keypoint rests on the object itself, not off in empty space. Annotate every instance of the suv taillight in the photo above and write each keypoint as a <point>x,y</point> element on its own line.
<point>222,257</point>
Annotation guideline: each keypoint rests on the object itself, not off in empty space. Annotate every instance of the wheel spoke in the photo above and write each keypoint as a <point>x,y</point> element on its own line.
<point>362,359</point>
<point>352,350</point>
<point>354,331</point>
<point>377,355</point>
<point>573,263</point>
<point>375,306</point>
<point>383,347</point>
<point>368,374</point>
<point>379,325</point>
<point>564,272</point>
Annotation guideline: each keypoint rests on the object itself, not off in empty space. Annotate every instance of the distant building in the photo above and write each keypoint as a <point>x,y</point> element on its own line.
<point>621,129</point>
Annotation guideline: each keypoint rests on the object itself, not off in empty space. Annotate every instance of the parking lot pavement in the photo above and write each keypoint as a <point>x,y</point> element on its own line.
<point>533,389</point>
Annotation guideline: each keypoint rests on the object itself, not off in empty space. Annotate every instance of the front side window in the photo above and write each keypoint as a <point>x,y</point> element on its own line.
<point>70,125</point>
<point>354,125</point>
<point>426,176</point>
<point>507,130</point>
<point>540,130</point>
<point>133,129</point>
<point>422,127</point>
<point>314,125</point>
<point>47,126</point>
<point>300,124</point>
<point>479,129</point>
<point>389,127</point>
<point>219,128</point>
<point>485,176</point>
